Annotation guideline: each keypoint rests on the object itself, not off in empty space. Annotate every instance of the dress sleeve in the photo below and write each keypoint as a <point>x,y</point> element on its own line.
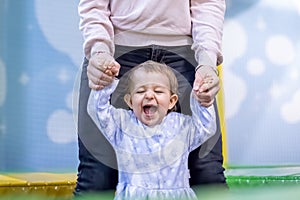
<point>207,30</point>
<point>104,115</point>
<point>203,123</point>
<point>96,27</point>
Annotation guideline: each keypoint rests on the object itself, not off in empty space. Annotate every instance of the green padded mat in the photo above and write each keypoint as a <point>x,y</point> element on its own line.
<point>263,176</point>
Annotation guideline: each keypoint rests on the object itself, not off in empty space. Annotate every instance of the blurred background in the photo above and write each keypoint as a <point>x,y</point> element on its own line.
<point>40,59</point>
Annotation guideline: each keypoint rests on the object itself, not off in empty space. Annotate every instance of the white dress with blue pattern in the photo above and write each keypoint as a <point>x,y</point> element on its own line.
<point>152,161</point>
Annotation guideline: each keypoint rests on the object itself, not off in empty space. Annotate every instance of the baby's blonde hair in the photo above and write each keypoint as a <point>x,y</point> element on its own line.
<point>152,66</point>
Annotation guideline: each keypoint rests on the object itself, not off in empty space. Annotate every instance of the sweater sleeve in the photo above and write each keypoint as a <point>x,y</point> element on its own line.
<point>203,124</point>
<point>96,27</point>
<point>105,116</point>
<point>207,30</point>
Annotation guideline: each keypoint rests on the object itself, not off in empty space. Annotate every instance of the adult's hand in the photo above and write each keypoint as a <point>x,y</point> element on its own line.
<point>101,70</point>
<point>206,85</point>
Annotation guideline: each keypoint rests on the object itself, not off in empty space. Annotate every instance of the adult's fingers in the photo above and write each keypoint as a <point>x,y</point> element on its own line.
<point>207,92</point>
<point>207,97</point>
<point>210,83</point>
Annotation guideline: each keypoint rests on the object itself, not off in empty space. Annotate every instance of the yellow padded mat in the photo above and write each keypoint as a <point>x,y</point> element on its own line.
<point>50,184</point>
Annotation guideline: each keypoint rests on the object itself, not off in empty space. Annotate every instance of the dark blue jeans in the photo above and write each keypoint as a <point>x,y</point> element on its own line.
<point>97,168</point>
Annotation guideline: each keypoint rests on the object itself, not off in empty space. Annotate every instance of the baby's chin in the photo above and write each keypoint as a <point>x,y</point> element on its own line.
<point>151,122</point>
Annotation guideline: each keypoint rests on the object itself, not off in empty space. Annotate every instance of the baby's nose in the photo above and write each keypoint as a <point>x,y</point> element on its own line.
<point>149,94</point>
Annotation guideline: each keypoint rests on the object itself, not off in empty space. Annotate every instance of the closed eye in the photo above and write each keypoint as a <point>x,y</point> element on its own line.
<point>159,91</point>
<point>140,91</point>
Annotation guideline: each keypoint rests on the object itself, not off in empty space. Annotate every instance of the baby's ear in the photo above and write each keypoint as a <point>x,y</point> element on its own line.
<point>173,101</point>
<point>127,99</point>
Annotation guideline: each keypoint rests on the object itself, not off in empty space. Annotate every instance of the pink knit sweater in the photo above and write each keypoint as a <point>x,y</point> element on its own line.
<point>199,23</point>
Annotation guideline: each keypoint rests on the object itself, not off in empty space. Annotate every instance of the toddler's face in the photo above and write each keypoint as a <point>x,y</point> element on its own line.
<point>150,97</point>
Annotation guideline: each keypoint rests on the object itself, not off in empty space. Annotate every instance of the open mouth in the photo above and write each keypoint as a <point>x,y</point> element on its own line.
<point>149,109</point>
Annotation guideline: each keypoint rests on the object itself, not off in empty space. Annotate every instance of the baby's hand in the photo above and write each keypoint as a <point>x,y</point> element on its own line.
<point>112,70</point>
<point>108,64</point>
